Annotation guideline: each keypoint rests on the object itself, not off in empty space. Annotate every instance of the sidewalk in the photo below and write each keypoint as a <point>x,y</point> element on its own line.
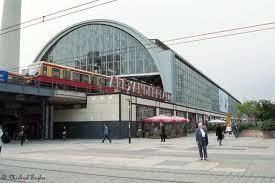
<point>145,160</point>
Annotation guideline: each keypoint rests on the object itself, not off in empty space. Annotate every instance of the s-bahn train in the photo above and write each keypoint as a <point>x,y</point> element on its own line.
<point>49,74</point>
<point>62,77</point>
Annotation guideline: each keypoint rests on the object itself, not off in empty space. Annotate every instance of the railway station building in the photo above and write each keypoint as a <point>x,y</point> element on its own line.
<point>115,49</point>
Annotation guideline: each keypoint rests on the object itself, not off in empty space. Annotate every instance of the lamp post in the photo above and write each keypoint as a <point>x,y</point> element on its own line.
<point>130,118</point>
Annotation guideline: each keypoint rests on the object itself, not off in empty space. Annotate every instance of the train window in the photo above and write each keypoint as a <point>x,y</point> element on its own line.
<point>85,78</point>
<point>44,70</point>
<point>107,82</point>
<point>55,73</point>
<point>102,82</point>
<point>76,76</point>
<point>66,75</point>
<point>93,80</point>
<point>99,81</point>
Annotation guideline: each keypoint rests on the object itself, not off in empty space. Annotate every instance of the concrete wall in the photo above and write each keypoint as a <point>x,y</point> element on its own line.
<point>99,108</point>
<point>88,122</point>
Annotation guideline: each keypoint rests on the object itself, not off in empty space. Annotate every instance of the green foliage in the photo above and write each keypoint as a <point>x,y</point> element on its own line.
<point>211,127</point>
<point>256,110</point>
<point>267,125</point>
<point>248,126</point>
<point>266,110</point>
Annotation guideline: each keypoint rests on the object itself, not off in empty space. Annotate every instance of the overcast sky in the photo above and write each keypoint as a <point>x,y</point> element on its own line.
<point>244,65</point>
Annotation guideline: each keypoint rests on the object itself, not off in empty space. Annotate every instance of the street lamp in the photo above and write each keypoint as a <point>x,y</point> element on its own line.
<point>130,118</point>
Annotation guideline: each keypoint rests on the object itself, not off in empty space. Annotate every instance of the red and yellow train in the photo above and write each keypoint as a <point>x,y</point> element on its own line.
<point>61,76</point>
<point>57,76</point>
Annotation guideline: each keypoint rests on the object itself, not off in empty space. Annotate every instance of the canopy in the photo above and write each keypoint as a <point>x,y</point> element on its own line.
<point>165,119</point>
<point>159,119</point>
<point>217,121</point>
<point>180,119</point>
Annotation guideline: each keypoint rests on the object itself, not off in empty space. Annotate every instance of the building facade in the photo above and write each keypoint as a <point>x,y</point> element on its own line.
<point>113,48</point>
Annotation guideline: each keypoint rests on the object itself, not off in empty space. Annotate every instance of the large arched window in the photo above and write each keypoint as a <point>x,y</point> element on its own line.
<point>103,48</point>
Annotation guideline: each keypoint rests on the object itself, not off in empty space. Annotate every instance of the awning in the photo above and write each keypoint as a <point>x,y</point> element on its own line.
<point>166,119</point>
<point>217,121</point>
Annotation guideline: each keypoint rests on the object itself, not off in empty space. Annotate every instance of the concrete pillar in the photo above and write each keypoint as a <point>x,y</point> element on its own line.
<point>51,120</point>
<point>47,121</point>
<point>157,108</point>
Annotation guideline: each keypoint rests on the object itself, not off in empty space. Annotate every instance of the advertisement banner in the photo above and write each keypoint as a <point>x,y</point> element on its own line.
<point>223,101</point>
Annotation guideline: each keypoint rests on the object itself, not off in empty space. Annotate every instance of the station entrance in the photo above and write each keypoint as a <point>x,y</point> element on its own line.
<point>33,107</point>
<point>18,110</point>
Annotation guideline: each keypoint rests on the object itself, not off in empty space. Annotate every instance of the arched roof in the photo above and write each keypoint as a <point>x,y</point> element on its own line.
<point>136,34</point>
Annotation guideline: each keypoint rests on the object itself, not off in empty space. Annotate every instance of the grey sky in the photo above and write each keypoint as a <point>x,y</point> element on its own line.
<point>243,65</point>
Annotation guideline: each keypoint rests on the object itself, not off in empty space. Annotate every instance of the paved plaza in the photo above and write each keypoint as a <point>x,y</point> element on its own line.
<point>145,160</point>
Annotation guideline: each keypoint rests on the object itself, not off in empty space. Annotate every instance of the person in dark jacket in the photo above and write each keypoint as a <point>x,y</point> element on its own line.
<point>64,133</point>
<point>219,134</point>
<point>22,135</point>
<point>106,134</point>
<point>202,141</point>
<point>1,134</point>
<point>163,134</point>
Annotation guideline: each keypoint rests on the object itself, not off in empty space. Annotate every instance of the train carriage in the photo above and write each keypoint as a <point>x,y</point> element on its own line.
<point>59,76</point>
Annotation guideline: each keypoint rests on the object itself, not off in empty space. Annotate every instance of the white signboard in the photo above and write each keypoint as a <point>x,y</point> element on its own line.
<point>223,101</point>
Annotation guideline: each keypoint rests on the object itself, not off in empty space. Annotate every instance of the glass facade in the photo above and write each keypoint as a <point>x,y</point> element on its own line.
<point>112,51</point>
<point>101,48</point>
<point>145,112</point>
<point>194,90</point>
<point>166,112</point>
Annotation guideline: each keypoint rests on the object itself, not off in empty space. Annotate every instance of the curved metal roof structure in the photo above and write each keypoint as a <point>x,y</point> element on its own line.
<point>136,34</point>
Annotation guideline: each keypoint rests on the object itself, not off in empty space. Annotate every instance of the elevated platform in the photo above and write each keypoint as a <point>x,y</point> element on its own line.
<point>55,96</point>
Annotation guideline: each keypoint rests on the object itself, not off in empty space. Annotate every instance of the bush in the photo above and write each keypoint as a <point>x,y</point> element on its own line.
<point>267,125</point>
<point>211,127</point>
<point>248,126</point>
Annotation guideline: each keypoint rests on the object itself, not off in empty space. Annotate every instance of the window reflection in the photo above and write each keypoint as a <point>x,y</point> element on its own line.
<point>193,90</point>
<point>101,48</point>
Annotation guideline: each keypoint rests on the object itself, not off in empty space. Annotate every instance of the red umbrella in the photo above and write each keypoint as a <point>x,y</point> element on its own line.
<point>180,119</point>
<point>159,119</point>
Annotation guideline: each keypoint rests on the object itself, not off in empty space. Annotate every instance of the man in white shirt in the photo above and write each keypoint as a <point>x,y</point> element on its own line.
<point>202,141</point>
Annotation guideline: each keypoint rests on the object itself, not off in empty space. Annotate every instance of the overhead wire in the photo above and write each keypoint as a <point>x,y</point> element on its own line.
<point>142,45</point>
<point>120,50</point>
<point>46,20</point>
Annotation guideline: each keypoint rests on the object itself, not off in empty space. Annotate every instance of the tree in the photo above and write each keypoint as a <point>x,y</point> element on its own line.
<point>266,110</point>
<point>250,109</point>
<point>257,110</point>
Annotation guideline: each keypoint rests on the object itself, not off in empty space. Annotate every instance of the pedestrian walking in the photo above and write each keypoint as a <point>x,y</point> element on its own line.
<point>234,130</point>
<point>237,130</point>
<point>219,134</point>
<point>64,133</point>
<point>202,141</point>
<point>229,130</point>
<point>106,134</point>
<point>22,135</point>
<point>1,134</point>
<point>163,134</point>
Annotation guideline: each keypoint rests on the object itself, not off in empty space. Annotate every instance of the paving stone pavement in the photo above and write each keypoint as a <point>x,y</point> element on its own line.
<point>145,160</point>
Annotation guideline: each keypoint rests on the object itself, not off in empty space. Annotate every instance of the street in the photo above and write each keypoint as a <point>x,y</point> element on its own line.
<point>145,160</point>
